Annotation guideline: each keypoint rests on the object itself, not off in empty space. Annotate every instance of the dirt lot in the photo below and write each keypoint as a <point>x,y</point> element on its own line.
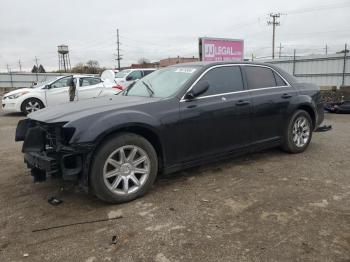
<point>269,206</point>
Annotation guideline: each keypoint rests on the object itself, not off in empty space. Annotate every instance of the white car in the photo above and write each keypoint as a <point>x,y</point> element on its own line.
<point>54,92</point>
<point>126,77</point>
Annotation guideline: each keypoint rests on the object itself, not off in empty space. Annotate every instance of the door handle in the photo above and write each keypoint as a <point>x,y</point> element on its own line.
<point>286,96</point>
<point>242,103</point>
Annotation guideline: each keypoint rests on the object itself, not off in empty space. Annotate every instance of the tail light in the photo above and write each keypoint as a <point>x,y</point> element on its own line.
<point>120,87</point>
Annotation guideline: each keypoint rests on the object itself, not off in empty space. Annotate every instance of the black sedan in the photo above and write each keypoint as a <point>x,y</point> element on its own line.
<point>174,118</point>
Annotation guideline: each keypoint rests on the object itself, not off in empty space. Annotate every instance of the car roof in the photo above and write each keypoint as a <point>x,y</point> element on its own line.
<point>58,77</point>
<point>210,63</point>
<point>135,69</point>
<point>207,64</point>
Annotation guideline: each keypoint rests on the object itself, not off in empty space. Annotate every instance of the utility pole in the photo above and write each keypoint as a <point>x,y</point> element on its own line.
<point>274,23</point>
<point>344,65</point>
<point>9,70</point>
<point>280,49</point>
<point>326,49</point>
<point>36,62</point>
<point>20,65</point>
<point>37,67</point>
<point>118,50</point>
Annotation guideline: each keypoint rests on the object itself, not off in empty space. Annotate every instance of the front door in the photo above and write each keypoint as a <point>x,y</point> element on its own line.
<point>219,120</point>
<point>58,91</point>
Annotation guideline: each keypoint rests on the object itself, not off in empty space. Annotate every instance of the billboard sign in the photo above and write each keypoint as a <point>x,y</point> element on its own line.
<point>221,49</point>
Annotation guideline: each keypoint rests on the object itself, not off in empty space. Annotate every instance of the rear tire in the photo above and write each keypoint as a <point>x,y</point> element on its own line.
<point>31,105</point>
<point>124,167</point>
<point>298,133</point>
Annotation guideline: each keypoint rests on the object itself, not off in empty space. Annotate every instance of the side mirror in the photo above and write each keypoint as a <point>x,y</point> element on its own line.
<point>47,87</point>
<point>129,78</point>
<point>197,90</point>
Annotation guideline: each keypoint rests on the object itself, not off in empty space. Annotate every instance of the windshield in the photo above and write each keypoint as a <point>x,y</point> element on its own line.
<point>162,83</point>
<point>122,74</point>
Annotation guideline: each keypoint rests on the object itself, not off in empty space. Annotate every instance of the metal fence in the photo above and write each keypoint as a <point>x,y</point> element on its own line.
<point>18,80</point>
<point>322,70</point>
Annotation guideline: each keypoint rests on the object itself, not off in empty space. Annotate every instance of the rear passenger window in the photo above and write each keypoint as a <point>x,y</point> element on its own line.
<point>89,81</point>
<point>223,80</point>
<point>259,77</point>
<point>279,80</point>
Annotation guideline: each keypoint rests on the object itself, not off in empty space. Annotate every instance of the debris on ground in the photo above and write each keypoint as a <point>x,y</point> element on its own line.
<point>323,128</point>
<point>114,240</point>
<point>26,255</point>
<point>77,223</point>
<point>342,107</point>
<point>54,201</point>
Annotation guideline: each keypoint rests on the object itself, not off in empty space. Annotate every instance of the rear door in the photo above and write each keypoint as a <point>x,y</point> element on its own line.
<point>271,96</point>
<point>218,120</point>
<point>58,91</point>
<point>89,87</point>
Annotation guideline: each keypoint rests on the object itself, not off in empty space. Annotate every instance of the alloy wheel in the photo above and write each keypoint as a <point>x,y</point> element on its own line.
<point>32,106</point>
<point>126,170</point>
<point>301,131</point>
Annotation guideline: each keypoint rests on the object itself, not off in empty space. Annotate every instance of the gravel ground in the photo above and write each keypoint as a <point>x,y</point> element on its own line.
<point>269,206</point>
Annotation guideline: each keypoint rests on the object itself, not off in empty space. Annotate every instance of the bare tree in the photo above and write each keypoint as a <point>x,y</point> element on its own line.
<point>143,60</point>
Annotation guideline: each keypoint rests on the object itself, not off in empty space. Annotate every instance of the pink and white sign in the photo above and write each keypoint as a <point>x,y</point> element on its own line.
<point>216,49</point>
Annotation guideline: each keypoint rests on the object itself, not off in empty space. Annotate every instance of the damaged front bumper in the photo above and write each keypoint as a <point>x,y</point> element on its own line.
<point>47,149</point>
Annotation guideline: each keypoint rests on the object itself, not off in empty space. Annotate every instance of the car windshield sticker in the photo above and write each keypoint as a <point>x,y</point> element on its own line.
<point>186,70</point>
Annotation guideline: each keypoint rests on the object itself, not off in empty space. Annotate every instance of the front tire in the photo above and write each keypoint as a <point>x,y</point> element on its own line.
<point>298,133</point>
<point>31,105</point>
<point>124,167</point>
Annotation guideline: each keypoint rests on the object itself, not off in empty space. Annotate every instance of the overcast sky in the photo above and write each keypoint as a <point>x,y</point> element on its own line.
<point>157,29</point>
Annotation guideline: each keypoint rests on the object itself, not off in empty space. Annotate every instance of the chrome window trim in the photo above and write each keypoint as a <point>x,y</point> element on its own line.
<point>234,92</point>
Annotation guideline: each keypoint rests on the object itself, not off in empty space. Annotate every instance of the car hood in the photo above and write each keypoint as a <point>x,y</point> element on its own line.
<point>80,109</point>
<point>20,90</point>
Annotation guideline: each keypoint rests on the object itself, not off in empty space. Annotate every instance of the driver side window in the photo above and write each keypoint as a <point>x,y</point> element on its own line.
<point>223,80</point>
<point>63,82</point>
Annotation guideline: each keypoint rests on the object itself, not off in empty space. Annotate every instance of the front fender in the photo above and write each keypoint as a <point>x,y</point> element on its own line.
<point>94,127</point>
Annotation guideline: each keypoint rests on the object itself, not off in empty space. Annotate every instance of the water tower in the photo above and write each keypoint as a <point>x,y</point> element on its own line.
<point>63,58</point>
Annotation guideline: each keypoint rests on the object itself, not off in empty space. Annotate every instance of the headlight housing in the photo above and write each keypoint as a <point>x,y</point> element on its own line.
<point>14,96</point>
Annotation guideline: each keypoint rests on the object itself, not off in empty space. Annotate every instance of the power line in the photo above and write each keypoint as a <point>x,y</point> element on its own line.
<point>319,8</point>
<point>274,23</point>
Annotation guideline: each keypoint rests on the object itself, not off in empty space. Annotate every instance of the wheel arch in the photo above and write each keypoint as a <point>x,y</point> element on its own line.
<point>303,102</point>
<point>310,111</point>
<point>31,97</point>
<point>142,130</point>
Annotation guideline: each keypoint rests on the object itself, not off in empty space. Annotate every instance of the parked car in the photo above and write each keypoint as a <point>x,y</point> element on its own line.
<point>126,77</point>
<point>174,118</point>
<point>53,92</point>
